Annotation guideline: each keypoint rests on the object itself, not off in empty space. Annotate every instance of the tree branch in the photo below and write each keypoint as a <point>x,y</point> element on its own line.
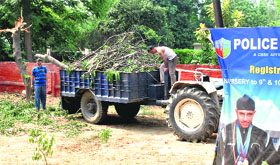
<point>52,60</point>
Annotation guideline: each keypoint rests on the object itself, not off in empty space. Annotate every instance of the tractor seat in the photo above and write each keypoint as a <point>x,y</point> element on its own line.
<point>205,78</point>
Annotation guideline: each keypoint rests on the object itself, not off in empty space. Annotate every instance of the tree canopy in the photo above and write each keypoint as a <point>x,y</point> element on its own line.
<point>77,24</point>
<point>56,24</point>
<point>245,13</point>
<point>183,17</point>
<point>134,15</point>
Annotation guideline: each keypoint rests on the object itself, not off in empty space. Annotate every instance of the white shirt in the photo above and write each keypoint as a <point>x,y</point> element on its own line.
<point>169,53</point>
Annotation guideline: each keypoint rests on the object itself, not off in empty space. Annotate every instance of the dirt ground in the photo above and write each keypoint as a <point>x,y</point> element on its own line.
<point>145,140</point>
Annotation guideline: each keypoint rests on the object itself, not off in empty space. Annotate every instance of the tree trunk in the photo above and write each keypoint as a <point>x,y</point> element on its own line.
<point>21,66</point>
<point>52,60</point>
<point>27,35</point>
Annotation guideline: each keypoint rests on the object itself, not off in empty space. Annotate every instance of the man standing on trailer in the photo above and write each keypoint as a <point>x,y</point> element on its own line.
<point>170,60</point>
<point>39,76</point>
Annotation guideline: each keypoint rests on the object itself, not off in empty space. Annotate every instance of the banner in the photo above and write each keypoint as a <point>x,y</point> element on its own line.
<point>249,129</point>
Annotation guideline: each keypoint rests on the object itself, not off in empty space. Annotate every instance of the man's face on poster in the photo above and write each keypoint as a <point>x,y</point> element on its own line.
<point>245,117</point>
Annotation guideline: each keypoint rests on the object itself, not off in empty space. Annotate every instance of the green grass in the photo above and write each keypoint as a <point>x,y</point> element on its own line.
<point>72,129</point>
<point>104,135</point>
<point>15,113</point>
<point>149,110</point>
<point>146,110</point>
<point>12,112</point>
<point>19,116</point>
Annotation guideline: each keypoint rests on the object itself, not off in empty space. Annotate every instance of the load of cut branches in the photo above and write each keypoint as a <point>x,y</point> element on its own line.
<point>124,52</point>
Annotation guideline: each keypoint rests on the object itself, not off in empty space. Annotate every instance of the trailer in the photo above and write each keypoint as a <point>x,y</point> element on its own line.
<point>192,107</point>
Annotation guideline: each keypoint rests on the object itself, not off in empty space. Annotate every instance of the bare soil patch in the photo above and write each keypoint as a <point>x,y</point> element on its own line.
<point>144,140</point>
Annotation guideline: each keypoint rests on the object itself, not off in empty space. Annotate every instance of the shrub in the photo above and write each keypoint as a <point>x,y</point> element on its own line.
<point>196,56</point>
<point>43,144</point>
<point>105,135</point>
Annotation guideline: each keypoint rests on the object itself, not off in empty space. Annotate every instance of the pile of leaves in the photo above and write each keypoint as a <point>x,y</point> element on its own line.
<point>124,52</point>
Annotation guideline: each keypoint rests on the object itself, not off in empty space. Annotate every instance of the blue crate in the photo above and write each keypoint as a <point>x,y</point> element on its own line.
<point>132,87</point>
<point>62,78</point>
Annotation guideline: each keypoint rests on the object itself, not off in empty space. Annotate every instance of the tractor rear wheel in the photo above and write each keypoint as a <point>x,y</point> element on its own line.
<point>127,111</point>
<point>93,110</point>
<point>192,114</point>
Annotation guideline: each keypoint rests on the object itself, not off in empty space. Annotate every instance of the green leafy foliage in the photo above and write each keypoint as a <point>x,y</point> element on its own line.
<point>73,129</point>
<point>42,119</point>
<point>169,23</point>
<point>69,69</point>
<point>186,55</point>
<point>142,16</point>
<point>85,65</point>
<point>237,13</point>
<point>112,75</point>
<point>277,5</point>
<point>92,74</point>
<point>17,112</point>
<point>26,76</point>
<point>264,163</point>
<point>208,55</point>
<point>66,26</point>
<point>231,17</point>
<point>43,144</point>
<point>105,135</point>
<point>22,112</point>
<point>145,110</point>
<point>84,76</point>
<point>123,53</point>
<point>58,112</point>
<point>193,56</point>
<point>60,25</point>
<point>13,112</point>
<point>183,17</point>
<point>262,14</point>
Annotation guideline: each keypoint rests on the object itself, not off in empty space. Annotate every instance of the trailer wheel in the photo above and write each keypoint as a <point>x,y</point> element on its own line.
<point>92,109</point>
<point>127,111</point>
<point>192,114</point>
